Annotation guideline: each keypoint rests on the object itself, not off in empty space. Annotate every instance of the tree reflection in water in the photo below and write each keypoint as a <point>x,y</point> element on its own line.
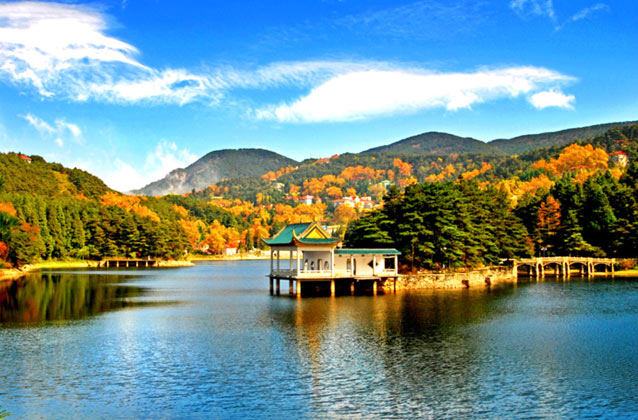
<point>43,297</point>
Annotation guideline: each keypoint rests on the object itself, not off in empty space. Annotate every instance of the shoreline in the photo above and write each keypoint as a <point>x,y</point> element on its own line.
<point>8,274</point>
<point>245,257</point>
<point>626,273</point>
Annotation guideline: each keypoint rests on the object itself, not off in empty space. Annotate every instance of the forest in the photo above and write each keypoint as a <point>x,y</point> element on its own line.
<point>440,211</point>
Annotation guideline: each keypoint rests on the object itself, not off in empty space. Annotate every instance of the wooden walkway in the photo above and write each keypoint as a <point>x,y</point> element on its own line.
<point>564,266</point>
<point>125,263</point>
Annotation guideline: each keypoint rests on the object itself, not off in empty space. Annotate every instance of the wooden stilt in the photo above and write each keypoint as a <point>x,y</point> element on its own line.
<point>271,286</point>
<point>352,288</point>
<point>298,288</point>
<point>332,288</point>
<point>290,286</point>
<point>278,291</point>
<point>374,287</point>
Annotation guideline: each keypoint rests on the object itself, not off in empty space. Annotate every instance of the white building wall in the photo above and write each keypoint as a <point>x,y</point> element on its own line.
<point>310,260</point>
<point>361,262</point>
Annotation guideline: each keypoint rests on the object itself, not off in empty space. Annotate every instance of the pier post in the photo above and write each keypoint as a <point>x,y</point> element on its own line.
<point>278,255</point>
<point>298,288</point>
<point>374,287</point>
<point>332,287</point>
<point>278,289</point>
<point>271,286</point>
<point>352,288</point>
<point>272,254</point>
<point>290,286</point>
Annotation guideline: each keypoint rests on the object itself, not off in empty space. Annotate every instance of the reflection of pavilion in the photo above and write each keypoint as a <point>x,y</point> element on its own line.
<point>313,256</point>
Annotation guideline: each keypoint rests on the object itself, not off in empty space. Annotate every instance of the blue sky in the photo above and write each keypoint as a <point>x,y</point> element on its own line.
<point>133,89</point>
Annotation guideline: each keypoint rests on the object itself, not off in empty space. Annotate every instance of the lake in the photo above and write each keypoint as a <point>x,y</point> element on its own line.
<point>210,342</point>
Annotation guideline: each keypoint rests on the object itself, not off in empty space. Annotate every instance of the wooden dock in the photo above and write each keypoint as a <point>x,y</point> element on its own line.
<point>126,263</point>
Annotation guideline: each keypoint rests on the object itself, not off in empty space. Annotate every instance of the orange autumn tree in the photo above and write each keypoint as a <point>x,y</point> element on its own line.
<point>548,222</point>
<point>516,189</point>
<point>193,229</point>
<point>404,168</point>
<point>273,175</point>
<point>575,158</point>
<point>359,172</point>
<point>344,214</point>
<point>449,170</point>
<point>8,208</point>
<point>129,203</point>
<point>303,213</point>
<point>313,186</point>
<point>476,172</point>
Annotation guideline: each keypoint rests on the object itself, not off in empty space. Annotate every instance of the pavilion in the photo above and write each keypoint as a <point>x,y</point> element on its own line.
<point>313,256</point>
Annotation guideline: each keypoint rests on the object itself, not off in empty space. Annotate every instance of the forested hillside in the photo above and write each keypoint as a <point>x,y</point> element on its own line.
<point>561,138</point>
<point>454,209</point>
<point>581,201</point>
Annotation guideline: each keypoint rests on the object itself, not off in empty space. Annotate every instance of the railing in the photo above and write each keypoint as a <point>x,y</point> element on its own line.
<point>336,273</point>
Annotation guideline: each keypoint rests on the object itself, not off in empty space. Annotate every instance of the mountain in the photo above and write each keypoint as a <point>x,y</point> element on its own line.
<point>217,166</point>
<point>527,142</point>
<point>435,143</point>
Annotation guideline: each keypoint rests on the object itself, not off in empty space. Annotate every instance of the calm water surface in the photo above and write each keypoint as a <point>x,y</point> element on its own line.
<point>209,342</point>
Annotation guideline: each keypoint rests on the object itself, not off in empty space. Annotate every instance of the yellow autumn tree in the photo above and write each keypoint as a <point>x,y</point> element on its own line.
<point>575,158</point>
<point>344,214</point>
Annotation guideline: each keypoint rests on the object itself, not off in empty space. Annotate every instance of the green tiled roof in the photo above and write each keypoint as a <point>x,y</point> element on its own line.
<point>285,236</point>
<point>352,251</point>
<point>317,241</point>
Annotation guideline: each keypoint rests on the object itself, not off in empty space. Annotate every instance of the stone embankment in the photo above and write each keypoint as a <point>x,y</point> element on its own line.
<point>476,278</point>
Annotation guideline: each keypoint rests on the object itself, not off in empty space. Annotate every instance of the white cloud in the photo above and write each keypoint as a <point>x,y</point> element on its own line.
<point>42,126</point>
<point>62,50</point>
<point>545,8</point>
<point>364,94</point>
<point>552,98</point>
<point>586,12</point>
<point>57,130</point>
<point>71,128</point>
<point>526,8</point>
<point>165,157</point>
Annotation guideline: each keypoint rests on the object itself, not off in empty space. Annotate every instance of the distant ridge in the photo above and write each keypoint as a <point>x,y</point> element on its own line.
<point>527,142</point>
<point>436,143</point>
<point>217,166</point>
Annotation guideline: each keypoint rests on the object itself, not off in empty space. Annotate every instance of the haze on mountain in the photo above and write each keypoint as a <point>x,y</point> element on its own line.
<point>227,164</point>
<point>217,166</point>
